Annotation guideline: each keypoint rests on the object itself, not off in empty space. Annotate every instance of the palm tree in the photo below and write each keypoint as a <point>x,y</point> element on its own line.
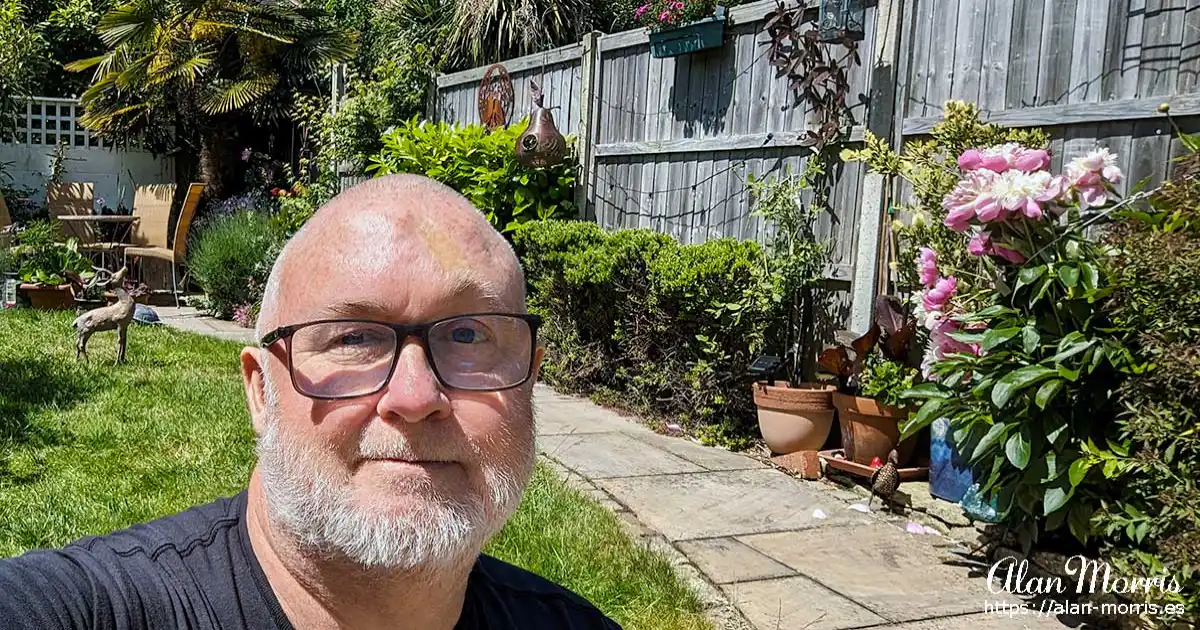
<point>197,68</point>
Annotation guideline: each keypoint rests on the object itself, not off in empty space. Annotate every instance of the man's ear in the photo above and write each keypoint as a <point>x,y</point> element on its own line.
<point>539,353</point>
<point>252,382</point>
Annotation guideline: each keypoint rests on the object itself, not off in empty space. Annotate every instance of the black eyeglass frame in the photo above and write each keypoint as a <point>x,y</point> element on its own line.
<point>403,332</point>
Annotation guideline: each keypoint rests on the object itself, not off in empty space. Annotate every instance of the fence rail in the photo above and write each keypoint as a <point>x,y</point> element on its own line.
<point>667,143</point>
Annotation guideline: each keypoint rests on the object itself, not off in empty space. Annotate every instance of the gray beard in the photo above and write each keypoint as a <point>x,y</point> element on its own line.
<point>318,509</point>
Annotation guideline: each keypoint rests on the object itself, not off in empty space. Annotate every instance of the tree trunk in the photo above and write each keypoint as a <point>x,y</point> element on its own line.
<point>216,159</point>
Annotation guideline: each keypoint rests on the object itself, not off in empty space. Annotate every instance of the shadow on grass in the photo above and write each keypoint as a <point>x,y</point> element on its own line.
<point>28,386</point>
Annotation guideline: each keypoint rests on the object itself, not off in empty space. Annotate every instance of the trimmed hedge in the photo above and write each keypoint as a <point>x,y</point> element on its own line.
<point>666,329</point>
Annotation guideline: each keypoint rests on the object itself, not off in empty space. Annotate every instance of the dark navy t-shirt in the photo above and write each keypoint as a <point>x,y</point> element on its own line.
<point>196,570</point>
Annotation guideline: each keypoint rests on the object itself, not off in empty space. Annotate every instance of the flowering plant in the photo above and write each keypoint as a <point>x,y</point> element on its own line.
<point>658,15</point>
<point>1025,363</point>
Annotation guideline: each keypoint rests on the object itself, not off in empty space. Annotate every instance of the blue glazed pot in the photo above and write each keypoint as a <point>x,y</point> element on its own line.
<point>949,474</point>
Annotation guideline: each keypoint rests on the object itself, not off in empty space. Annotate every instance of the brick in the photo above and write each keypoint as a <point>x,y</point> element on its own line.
<point>804,463</point>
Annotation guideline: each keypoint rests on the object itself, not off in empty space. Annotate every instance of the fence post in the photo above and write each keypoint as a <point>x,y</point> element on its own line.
<point>589,66</point>
<point>880,121</point>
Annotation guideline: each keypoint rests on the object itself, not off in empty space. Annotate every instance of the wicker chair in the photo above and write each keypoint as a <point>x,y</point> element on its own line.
<point>152,206</point>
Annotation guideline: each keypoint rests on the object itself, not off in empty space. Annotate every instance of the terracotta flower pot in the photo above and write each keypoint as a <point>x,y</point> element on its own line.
<point>794,417</point>
<point>47,297</point>
<point>871,429</point>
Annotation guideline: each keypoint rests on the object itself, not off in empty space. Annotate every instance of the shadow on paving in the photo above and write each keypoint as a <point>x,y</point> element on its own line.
<point>28,386</point>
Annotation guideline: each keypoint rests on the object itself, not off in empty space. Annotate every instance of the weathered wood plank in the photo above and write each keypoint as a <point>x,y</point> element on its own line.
<point>718,198</point>
<point>760,82</point>
<point>703,197</point>
<point>666,115</point>
<point>942,50</point>
<point>662,183</point>
<point>1058,36</point>
<point>1087,55</point>
<point>1078,140</point>
<point>1116,34</point>
<point>997,41</point>
<point>564,54</point>
<point>1148,150</point>
<point>743,142</point>
<point>1161,39</point>
<point>739,114</point>
<point>1024,54</point>
<point>1077,113</point>
<point>968,54</point>
<point>1189,52</point>
<point>730,73</point>
<point>918,35</point>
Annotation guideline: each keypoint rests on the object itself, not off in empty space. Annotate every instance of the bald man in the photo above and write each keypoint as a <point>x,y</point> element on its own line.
<point>391,393</point>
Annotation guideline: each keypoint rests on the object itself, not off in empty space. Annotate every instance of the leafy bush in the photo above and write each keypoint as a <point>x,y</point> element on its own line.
<point>669,329</point>
<point>231,259</point>
<point>658,15</point>
<point>482,166</point>
<point>1153,525</point>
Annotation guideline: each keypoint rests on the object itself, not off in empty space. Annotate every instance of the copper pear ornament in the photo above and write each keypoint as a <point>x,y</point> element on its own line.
<point>541,144</point>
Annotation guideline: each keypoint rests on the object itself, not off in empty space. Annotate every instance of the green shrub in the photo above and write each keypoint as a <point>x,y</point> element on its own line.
<point>231,259</point>
<point>1153,524</point>
<point>669,329</point>
<point>482,166</point>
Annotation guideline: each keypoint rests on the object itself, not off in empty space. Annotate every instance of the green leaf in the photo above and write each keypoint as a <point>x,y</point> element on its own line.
<point>1079,523</point>
<point>1072,350</point>
<point>1030,339</point>
<point>1052,469</point>
<point>1055,520</point>
<point>994,338</point>
<point>994,435</point>
<point>1078,471</point>
<point>1089,275</point>
<point>1047,392</point>
<point>1017,449</point>
<point>967,337</point>
<point>1029,275</point>
<point>1067,373</point>
<point>926,390</point>
<point>1169,455</point>
<point>995,310</point>
<point>924,417</point>
<point>1015,381</point>
<point>1052,436</point>
<point>1069,274</point>
<point>1097,358</point>
<point>1142,530</point>
<point>1055,498</point>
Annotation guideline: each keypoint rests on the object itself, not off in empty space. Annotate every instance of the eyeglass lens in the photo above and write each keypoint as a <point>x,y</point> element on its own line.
<point>343,359</point>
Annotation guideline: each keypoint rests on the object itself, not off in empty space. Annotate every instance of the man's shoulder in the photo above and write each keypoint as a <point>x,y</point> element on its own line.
<point>530,593</point>
<point>180,533</point>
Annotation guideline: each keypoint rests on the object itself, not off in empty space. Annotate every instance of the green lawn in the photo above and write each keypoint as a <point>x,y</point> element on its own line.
<point>88,448</point>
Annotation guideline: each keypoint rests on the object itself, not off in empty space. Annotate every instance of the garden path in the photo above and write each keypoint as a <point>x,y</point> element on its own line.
<point>746,535</point>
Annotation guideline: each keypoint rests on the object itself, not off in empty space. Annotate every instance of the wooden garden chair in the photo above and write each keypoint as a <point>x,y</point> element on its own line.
<point>73,199</point>
<point>152,206</point>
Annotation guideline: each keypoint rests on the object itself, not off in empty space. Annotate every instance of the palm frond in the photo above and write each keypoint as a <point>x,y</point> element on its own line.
<point>129,24</point>
<point>84,64</point>
<point>225,96</point>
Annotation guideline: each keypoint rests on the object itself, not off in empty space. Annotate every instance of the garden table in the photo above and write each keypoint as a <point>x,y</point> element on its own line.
<point>123,222</point>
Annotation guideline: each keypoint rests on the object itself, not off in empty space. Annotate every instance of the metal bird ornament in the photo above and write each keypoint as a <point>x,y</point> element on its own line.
<point>886,479</point>
<point>541,144</point>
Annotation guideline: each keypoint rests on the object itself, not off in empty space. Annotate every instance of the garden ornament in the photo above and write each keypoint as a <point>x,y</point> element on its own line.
<point>886,479</point>
<point>541,145</point>
<point>112,317</point>
<point>495,97</point>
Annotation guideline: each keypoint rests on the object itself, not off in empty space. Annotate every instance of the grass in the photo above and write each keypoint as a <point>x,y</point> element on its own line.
<point>89,448</point>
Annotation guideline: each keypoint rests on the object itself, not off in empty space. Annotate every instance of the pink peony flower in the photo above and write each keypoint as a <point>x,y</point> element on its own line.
<point>927,265</point>
<point>963,203</point>
<point>665,16</point>
<point>1087,176</point>
<point>980,245</point>
<point>1022,193</point>
<point>937,298</point>
<point>942,344</point>
<point>641,10</point>
<point>1004,157</point>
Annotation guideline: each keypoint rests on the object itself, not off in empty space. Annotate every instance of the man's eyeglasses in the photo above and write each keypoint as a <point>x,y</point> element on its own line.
<point>343,358</point>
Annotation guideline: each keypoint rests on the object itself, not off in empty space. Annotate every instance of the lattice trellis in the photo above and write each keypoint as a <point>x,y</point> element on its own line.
<point>49,121</point>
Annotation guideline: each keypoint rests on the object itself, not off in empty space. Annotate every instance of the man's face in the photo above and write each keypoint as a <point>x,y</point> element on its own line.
<point>413,475</point>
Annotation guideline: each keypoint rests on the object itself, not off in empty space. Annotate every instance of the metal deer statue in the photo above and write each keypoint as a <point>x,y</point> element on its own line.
<point>112,317</point>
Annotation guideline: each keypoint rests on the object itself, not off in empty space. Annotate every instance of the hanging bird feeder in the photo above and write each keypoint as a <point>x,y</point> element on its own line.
<point>841,18</point>
<point>541,144</point>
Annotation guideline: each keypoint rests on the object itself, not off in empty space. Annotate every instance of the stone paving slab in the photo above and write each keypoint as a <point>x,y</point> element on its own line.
<point>560,419</point>
<point>727,560</point>
<point>603,455</point>
<point>797,603</point>
<point>897,575</point>
<point>985,621</point>
<point>725,503</point>
<point>705,456</point>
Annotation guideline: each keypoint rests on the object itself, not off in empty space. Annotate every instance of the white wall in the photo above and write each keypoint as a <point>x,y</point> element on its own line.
<point>113,173</point>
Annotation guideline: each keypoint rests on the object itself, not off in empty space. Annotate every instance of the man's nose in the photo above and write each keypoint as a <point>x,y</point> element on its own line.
<point>413,394</point>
